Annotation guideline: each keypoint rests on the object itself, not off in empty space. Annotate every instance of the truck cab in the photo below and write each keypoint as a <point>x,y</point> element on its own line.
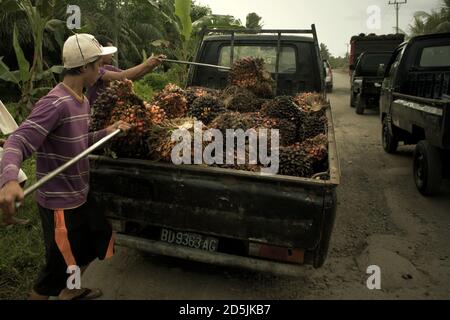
<point>415,107</point>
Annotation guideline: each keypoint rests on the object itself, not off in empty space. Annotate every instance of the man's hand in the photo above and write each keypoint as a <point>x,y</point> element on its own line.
<point>155,61</point>
<point>2,142</point>
<point>9,195</point>
<point>122,125</point>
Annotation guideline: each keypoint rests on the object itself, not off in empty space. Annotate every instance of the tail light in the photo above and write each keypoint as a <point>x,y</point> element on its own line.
<point>282,254</point>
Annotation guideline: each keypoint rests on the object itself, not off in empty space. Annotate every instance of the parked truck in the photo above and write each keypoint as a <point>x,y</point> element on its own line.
<point>223,216</point>
<point>367,52</point>
<point>415,107</point>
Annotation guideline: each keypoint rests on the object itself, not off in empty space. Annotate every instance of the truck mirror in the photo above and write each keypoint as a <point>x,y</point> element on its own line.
<point>381,69</point>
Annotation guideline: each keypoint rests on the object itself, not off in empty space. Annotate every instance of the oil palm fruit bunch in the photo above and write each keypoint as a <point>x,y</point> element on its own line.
<point>159,138</point>
<point>193,93</point>
<point>316,147</point>
<point>295,161</point>
<point>283,107</point>
<point>102,108</point>
<point>250,73</point>
<point>232,120</point>
<point>287,129</point>
<point>310,101</point>
<point>155,113</point>
<point>241,100</point>
<point>134,143</point>
<point>118,94</point>
<point>206,108</point>
<point>172,99</point>
<point>313,124</point>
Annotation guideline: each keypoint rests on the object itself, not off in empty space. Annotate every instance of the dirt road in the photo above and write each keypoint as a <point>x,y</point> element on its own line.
<point>381,220</point>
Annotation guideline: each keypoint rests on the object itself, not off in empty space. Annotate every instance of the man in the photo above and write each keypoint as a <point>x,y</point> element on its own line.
<point>109,73</point>
<point>57,130</point>
<point>108,59</point>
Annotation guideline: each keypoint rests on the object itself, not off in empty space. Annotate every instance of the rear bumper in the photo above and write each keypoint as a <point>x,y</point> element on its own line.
<point>215,258</point>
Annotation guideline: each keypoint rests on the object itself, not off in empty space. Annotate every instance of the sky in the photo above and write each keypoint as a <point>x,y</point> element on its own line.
<point>336,21</point>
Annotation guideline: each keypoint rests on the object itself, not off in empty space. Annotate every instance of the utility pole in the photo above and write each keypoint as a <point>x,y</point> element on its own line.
<point>397,8</point>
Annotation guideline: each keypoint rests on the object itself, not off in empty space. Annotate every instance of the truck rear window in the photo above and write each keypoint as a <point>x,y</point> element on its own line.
<point>435,57</point>
<point>370,63</point>
<point>268,53</point>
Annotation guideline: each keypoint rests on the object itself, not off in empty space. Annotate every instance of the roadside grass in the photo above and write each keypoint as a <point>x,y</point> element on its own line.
<point>21,247</point>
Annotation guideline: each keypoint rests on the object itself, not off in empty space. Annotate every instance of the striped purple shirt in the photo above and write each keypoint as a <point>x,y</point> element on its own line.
<point>57,130</point>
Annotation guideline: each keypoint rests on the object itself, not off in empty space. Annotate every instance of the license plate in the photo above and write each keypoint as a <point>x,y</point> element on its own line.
<point>191,240</point>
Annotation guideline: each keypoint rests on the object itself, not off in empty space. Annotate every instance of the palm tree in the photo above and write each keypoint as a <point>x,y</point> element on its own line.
<point>437,21</point>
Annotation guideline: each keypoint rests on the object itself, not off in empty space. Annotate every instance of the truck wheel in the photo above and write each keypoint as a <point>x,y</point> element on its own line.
<point>390,142</point>
<point>360,105</point>
<point>427,168</point>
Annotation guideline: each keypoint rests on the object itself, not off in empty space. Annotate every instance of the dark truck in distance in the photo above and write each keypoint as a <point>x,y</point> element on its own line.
<point>367,79</point>
<point>366,53</point>
<point>223,216</point>
<point>415,107</point>
<point>372,43</point>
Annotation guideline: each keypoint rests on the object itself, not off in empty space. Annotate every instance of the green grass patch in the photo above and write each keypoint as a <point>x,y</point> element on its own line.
<point>21,247</point>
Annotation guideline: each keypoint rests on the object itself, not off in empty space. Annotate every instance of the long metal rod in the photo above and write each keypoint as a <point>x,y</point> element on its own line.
<point>196,64</point>
<point>68,164</point>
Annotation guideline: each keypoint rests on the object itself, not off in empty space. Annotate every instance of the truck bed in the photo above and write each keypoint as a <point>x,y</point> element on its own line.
<point>412,113</point>
<point>237,207</point>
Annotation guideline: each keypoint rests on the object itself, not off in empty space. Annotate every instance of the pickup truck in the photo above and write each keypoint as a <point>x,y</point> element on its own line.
<point>415,107</point>
<point>366,80</point>
<point>223,216</point>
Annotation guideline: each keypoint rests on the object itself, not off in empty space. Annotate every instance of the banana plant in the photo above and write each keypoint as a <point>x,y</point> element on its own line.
<point>39,18</point>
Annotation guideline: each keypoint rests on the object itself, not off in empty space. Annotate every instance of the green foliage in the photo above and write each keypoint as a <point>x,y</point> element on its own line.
<point>22,248</point>
<point>153,82</point>
<point>253,21</point>
<point>157,81</point>
<point>199,11</point>
<point>338,62</point>
<point>437,21</point>
<point>324,52</point>
<point>183,12</point>
<point>143,90</point>
<point>18,111</point>
<point>32,80</point>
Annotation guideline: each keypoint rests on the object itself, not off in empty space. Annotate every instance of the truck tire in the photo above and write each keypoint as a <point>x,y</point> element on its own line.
<point>427,168</point>
<point>360,104</point>
<point>352,100</point>
<point>389,141</point>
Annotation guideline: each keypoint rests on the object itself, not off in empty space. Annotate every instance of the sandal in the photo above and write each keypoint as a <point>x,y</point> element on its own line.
<point>87,294</point>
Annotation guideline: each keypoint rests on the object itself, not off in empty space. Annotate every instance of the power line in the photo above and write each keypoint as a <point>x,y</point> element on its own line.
<point>397,8</point>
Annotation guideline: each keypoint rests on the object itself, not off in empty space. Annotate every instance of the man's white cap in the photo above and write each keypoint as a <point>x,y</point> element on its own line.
<point>81,49</point>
